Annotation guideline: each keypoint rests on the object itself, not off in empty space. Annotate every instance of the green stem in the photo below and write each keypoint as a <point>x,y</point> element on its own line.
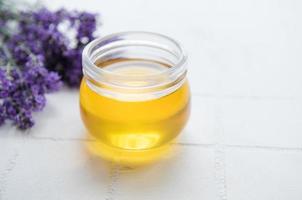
<point>7,53</point>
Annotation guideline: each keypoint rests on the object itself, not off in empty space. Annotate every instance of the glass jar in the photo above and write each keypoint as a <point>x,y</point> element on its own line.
<point>134,95</point>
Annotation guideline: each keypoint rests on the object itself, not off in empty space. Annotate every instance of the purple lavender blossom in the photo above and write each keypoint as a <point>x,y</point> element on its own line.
<point>2,115</point>
<point>24,119</point>
<point>87,26</point>
<point>52,44</point>
<point>44,57</point>
<point>23,93</point>
<point>4,84</point>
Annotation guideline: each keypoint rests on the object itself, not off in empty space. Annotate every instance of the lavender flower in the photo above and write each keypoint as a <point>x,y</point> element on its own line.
<point>52,44</point>
<point>4,84</point>
<point>86,28</point>
<point>23,93</point>
<point>2,115</point>
<point>24,119</point>
<point>44,58</point>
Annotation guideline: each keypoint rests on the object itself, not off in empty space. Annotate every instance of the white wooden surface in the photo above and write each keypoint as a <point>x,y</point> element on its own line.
<point>244,138</point>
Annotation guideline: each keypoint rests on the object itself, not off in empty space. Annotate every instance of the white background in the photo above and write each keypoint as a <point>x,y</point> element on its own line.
<point>244,138</point>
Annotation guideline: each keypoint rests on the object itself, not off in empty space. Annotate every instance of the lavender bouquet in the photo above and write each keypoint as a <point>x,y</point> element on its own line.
<point>40,50</point>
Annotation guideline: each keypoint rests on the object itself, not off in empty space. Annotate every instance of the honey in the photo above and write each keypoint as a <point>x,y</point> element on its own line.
<point>133,116</point>
<point>136,125</point>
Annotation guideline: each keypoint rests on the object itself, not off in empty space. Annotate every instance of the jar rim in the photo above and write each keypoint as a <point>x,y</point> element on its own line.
<point>179,66</point>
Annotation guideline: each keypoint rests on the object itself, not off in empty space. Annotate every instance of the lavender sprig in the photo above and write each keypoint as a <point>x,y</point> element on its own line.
<point>36,58</point>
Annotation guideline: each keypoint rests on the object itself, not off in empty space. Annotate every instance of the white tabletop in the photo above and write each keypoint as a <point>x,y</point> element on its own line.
<point>244,138</point>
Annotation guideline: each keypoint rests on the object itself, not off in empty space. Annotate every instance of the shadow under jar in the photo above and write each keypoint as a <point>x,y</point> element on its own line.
<point>134,95</point>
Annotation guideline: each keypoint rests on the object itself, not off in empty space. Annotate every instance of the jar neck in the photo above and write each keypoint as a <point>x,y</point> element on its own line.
<point>156,65</point>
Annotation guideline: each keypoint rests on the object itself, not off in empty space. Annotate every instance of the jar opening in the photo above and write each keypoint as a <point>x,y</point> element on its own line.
<point>134,62</point>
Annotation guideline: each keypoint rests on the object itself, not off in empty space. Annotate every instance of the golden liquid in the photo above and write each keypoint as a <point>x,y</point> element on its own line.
<point>133,131</point>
